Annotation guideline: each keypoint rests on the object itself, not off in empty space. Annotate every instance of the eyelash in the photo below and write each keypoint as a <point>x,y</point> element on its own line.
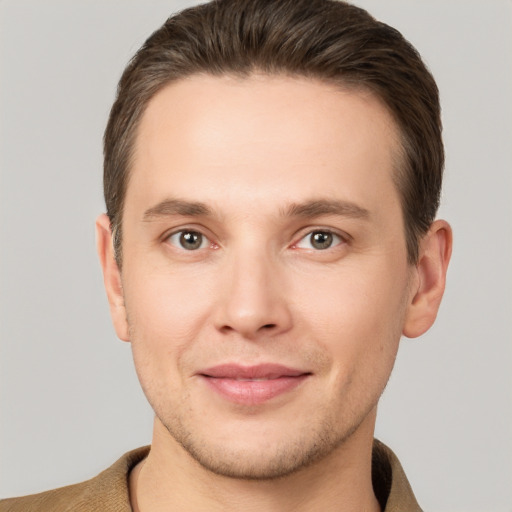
<point>205,241</point>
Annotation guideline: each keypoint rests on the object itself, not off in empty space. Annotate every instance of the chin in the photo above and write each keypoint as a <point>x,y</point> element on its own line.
<point>242,464</point>
<point>265,456</point>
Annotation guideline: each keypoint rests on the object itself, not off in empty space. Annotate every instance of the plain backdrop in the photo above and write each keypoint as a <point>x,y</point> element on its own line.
<point>70,401</point>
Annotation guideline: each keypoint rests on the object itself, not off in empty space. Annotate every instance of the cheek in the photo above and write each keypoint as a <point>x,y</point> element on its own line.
<point>166,312</point>
<point>167,301</point>
<point>357,315</point>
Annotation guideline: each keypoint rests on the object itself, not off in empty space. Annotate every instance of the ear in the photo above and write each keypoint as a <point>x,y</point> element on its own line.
<point>430,272</point>
<point>111,276</point>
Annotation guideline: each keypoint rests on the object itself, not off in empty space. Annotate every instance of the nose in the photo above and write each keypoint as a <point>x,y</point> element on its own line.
<point>254,301</point>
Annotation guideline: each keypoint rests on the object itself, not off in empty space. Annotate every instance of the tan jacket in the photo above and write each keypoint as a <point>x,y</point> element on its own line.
<point>108,492</point>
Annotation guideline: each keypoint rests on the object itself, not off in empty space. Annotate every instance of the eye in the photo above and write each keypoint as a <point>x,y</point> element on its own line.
<point>189,240</point>
<point>319,240</point>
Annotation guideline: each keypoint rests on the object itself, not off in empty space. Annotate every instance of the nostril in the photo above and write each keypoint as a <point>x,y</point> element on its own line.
<point>268,326</point>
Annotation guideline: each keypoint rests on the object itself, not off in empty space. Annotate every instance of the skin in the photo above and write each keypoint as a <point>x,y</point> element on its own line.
<point>270,159</point>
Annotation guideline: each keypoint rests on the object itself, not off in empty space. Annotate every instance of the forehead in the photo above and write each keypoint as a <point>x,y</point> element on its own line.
<point>258,134</point>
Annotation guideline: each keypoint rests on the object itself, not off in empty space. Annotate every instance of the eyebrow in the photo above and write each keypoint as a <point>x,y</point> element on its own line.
<point>169,207</point>
<point>319,207</point>
<point>308,209</point>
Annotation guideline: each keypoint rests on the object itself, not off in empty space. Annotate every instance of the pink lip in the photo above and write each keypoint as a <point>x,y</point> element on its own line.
<point>251,385</point>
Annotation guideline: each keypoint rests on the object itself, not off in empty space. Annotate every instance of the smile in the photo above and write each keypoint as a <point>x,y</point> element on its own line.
<point>252,385</point>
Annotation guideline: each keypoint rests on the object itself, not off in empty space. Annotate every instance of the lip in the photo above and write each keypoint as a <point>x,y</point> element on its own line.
<point>252,385</point>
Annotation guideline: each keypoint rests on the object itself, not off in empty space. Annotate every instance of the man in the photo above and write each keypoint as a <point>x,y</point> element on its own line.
<point>272,175</point>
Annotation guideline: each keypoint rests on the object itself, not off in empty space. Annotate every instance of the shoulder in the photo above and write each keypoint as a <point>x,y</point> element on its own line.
<point>108,492</point>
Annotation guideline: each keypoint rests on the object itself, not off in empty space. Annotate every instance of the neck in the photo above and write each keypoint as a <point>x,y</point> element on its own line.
<point>169,479</point>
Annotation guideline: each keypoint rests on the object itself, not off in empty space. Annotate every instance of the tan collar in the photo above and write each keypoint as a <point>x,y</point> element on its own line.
<point>109,491</point>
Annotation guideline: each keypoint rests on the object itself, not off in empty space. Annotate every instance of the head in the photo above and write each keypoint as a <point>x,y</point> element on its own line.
<point>272,172</point>
<point>327,40</point>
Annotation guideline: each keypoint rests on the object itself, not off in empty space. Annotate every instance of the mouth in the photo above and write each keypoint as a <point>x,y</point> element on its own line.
<point>252,385</point>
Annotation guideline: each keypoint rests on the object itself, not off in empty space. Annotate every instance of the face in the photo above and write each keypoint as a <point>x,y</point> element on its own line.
<point>265,279</point>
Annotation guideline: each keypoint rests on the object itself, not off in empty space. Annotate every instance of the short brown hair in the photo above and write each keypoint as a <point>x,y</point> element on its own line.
<point>328,40</point>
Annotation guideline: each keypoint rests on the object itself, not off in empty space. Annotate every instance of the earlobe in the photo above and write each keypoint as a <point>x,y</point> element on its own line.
<point>111,276</point>
<point>435,252</point>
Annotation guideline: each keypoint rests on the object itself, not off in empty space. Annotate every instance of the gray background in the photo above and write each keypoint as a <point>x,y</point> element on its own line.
<point>70,401</point>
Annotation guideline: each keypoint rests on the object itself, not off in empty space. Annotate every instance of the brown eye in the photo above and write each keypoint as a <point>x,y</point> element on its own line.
<point>188,240</point>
